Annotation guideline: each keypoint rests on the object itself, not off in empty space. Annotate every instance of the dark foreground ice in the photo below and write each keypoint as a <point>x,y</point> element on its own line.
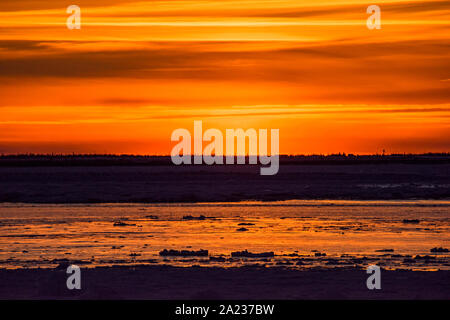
<point>165,282</point>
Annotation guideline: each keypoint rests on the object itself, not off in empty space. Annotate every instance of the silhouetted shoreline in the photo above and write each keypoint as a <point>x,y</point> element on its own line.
<point>31,160</point>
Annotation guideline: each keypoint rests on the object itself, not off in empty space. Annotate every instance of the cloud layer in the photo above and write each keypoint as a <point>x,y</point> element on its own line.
<point>312,69</point>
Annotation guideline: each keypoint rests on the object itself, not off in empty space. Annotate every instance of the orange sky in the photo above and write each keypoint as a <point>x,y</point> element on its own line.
<point>137,70</point>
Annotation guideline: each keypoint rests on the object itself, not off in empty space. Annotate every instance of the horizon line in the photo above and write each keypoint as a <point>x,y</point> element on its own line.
<point>192,155</point>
